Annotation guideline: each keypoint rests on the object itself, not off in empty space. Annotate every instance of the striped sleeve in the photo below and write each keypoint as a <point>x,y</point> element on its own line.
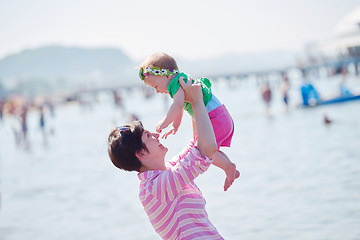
<point>181,155</point>
<point>171,182</point>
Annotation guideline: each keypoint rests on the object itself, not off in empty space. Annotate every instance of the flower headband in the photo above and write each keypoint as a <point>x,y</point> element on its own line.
<point>156,71</point>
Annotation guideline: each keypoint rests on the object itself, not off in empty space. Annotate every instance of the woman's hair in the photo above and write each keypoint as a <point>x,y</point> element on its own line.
<point>161,60</point>
<point>123,146</point>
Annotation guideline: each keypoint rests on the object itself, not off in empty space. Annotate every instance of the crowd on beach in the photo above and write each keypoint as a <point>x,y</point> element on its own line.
<point>17,107</point>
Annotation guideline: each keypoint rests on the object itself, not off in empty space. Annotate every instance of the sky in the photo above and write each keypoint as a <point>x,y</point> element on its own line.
<point>190,29</point>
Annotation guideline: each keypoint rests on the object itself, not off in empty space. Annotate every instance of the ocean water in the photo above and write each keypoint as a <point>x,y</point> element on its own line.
<point>300,178</point>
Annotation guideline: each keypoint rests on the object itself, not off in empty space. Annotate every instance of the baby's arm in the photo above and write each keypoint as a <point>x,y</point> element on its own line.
<point>175,125</point>
<point>177,121</point>
<point>175,111</point>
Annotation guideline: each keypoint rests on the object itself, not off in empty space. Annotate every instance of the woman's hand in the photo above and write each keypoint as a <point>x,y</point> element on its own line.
<point>193,92</point>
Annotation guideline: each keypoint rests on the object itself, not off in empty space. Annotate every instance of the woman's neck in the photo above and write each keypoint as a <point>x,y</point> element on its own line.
<point>155,165</point>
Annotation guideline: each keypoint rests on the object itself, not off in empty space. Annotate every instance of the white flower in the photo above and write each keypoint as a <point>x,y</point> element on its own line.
<point>156,71</point>
<point>147,69</point>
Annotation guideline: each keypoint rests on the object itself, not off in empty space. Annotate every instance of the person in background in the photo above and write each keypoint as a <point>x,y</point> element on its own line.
<point>2,105</point>
<point>23,121</point>
<point>266,95</point>
<point>174,204</point>
<point>284,88</point>
<point>42,124</point>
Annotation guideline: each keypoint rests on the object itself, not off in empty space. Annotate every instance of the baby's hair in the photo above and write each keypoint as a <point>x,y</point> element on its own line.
<point>161,60</point>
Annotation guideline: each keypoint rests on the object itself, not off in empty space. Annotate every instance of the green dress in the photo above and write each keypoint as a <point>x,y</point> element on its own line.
<point>205,86</point>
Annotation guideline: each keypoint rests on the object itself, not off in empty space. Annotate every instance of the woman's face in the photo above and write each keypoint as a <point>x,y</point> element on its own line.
<point>156,149</point>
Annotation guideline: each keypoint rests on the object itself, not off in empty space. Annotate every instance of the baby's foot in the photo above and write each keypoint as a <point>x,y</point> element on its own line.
<point>231,175</point>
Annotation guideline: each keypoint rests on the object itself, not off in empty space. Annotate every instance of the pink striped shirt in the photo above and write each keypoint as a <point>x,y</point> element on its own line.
<point>173,202</point>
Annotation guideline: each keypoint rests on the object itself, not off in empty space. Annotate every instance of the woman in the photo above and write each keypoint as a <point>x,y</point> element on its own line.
<point>172,201</point>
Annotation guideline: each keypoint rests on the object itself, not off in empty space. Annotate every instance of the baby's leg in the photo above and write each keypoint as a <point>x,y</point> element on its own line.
<point>221,160</point>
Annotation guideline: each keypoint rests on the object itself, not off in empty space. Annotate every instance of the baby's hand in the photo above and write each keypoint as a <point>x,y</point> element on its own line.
<point>172,130</point>
<point>158,127</point>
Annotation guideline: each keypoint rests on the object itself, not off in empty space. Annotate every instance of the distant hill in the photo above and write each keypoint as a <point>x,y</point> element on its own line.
<point>57,68</point>
<point>68,66</point>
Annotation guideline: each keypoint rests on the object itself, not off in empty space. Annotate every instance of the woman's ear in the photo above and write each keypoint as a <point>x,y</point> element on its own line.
<point>141,154</point>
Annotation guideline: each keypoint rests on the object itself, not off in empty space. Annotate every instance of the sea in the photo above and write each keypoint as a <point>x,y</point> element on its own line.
<point>300,177</point>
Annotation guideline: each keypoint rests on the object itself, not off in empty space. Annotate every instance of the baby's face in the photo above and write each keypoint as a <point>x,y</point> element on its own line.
<point>160,83</point>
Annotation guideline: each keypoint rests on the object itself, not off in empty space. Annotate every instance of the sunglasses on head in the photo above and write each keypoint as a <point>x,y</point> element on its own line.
<point>123,129</point>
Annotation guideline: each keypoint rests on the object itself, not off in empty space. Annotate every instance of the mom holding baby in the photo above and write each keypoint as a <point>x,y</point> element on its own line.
<point>171,199</point>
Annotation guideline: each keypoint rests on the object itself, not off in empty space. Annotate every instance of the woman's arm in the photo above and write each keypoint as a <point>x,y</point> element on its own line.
<point>182,172</point>
<point>194,128</point>
<point>205,133</point>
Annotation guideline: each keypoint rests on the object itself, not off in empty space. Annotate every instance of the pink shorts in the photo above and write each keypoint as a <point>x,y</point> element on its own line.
<point>223,126</point>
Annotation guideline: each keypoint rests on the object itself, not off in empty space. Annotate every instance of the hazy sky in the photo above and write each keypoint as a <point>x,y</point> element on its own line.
<point>189,29</point>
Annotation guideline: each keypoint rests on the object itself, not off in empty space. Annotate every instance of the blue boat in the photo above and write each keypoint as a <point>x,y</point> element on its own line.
<point>311,98</point>
<point>339,99</point>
